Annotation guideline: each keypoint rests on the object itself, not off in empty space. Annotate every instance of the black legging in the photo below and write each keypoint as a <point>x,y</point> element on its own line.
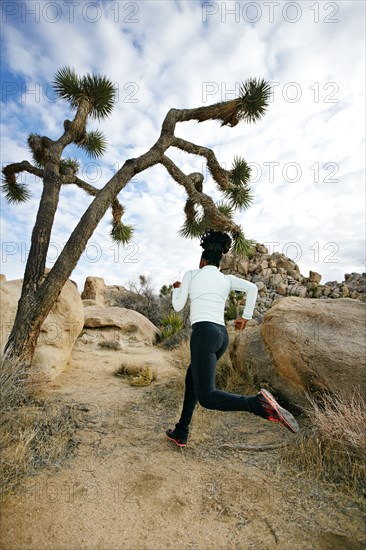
<point>208,343</point>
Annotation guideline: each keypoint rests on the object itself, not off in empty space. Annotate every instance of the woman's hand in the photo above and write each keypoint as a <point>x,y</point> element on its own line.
<point>176,284</point>
<point>240,323</point>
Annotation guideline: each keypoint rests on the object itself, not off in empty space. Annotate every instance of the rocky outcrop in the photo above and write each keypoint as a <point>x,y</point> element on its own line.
<point>116,325</point>
<point>276,277</point>
<point>59,331</point>
<point>104,295</point>
<point>302,346</point>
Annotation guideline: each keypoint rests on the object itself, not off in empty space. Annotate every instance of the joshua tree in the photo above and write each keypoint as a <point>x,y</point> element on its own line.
<point>93,96</point>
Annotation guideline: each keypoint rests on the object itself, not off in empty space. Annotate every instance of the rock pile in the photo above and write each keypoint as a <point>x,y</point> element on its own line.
<point>277,276</point>
<point>102,294</point>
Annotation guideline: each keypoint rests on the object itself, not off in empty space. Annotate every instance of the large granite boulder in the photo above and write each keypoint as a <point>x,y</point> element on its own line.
<point>59,331</point>
<point>117,325</point>
<point>306,346</point>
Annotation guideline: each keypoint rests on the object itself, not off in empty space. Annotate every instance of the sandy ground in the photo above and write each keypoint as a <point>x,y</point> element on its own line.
<point>129,488</point>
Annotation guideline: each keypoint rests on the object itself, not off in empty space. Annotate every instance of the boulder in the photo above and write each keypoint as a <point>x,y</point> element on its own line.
<point>275,280</point>
<point>281,289</point>
<point>314,277</point>
<point>303,291</point>
<point>117,324</point>
<point>104,295</point>
<point>306,346</point>
<point>94,288</point>
<point>59,331</point>
<point>243,266</point>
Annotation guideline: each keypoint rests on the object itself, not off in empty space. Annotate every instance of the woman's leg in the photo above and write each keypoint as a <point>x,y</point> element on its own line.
<point>189,403</point>
<point>208,342</point>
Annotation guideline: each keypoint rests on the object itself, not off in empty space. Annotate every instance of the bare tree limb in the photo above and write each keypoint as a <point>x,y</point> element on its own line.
<point>219,221</point>
<point>11,170</point>
<point>219,174</point>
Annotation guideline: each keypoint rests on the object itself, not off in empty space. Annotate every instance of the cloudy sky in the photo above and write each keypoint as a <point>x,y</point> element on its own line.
<point>307,153</point>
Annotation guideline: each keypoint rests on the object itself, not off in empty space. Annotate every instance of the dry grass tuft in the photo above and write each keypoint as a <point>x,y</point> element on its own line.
<point>334,448</point>
<point>131,370</point>
<point>33,432</point>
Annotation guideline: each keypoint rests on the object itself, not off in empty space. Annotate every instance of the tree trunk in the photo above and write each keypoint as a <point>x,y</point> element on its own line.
<point>29,317</point>
<point>36,303</point>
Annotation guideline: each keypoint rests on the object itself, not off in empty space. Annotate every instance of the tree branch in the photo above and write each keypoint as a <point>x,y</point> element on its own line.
<point>219,174</point>
<point>189,182</point>
<point>117,208</point>
<point>10,170</point>
<point>87,187</point>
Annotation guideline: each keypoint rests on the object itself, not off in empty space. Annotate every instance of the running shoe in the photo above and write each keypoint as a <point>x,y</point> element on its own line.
<point>179,440</point>
<point>275,413</point>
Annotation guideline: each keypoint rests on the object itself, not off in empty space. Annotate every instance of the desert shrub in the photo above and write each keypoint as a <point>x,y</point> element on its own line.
<point>171,324</point>
<point>128,371</point>
<point>333,448</point>
<point>34,433</point>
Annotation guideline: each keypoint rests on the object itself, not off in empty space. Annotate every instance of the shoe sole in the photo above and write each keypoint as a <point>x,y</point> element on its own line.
<point>285,417</point>
<point>176,442</point>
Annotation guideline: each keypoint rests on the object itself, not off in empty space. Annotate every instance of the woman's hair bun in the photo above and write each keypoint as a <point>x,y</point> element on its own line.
<point>216,241</point>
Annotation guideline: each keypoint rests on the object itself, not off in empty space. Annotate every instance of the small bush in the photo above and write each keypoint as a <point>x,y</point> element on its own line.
<point>171,324</point>
<point>334,448</point>
<point>33,432</point>
<point>128,371</point>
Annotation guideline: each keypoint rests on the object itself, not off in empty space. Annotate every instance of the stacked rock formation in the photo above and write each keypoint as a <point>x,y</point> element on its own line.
<point>96,289</point>
<point>277,276</point>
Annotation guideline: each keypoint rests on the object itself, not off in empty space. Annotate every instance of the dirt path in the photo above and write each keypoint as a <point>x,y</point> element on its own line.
<point>128,488</point>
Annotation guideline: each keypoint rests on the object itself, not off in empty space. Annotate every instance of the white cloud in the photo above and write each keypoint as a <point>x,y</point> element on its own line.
<point>169,58</point>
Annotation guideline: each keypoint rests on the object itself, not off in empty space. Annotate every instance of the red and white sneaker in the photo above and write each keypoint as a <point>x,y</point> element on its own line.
<point>275,413</point>
<point>179,440</point>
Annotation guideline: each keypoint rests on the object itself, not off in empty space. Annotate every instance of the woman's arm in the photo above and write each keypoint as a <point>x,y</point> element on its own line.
<point>251,291</point>
<point>180,294</point>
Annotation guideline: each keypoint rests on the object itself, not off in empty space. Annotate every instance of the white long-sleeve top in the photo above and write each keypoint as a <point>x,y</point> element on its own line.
<point>208,290</point>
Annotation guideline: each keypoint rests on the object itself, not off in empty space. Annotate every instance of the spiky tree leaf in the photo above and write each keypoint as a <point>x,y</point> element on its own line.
<point>15,192</point>
<point>122,233</point>
<point>67,85</point>
<point>242,247</point>
<point>191,229</point>
<point>94,144</point>
<point>254,99</point>
<point>102,92</point>
<point>98,90</point>
<point>226,209</point>
<point>69,164</point>
<point>239,197</point>
<point>240,172</point>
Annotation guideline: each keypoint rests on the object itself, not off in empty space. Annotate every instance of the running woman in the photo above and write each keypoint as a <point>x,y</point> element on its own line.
<point>208,290</point>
